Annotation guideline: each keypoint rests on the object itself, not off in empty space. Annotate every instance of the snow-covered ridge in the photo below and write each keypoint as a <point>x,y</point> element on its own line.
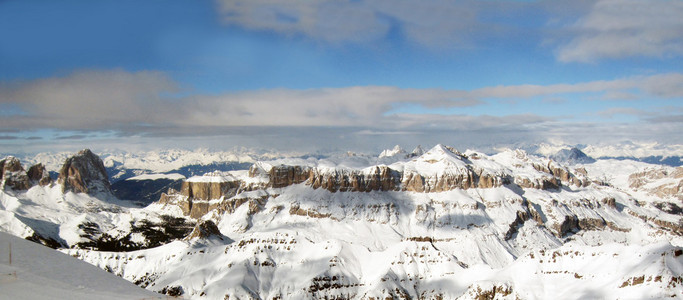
<point>441,168</point>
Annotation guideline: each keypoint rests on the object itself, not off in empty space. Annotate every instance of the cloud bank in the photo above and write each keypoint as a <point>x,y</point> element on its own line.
<point>585,31</point>
<point>625,28</point>
<point>150,104</point>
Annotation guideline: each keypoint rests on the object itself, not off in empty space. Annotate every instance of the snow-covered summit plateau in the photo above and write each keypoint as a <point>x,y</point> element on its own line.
<point>436,224</point>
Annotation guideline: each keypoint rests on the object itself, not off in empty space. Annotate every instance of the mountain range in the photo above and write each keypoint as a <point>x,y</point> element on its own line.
<point>435,224</point>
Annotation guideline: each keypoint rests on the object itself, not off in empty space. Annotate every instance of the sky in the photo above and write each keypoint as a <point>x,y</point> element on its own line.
<point>338,75</point>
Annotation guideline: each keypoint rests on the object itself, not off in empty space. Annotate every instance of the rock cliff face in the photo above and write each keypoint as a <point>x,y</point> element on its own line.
<point>380,178</point>
<point>200,195</point>
<point>209,190</point>
<point>84,173</point>
<point>439,170</point>
<point>383,178</point>
<point>13,174</point>
<point>662,182</point>
<point>39,175</point>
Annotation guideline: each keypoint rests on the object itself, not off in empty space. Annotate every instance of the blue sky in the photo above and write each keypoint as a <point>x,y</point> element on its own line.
<point>338,74</point>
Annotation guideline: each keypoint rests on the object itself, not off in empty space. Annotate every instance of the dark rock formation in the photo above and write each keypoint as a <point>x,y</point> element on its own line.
<point>173,291</point>
<point>519,220</point>
<point>205,230</point>
<point>568,225</point>
<point>84,173</point>
<point>669,208</point>
<point>39,175</point>
<point>13,174</point>
<point>155,234</point>
<point>609,201</point>
<point>380,178</point>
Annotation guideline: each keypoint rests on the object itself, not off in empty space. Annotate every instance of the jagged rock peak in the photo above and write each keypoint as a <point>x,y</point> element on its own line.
<point>13,174</point>
<point>10,164</point>
<point>84,173</point>
<point>38,174</point>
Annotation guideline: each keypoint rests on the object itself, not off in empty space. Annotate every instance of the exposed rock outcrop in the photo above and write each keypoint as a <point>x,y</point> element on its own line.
<point>198,198</point>
<point>378,178</point>
<point>544,183</point>
<point>13,174</point>
<point>662,182</point>
<point>569,224</point>
<point>39,175</point>
<point>84,173</point>
<point>209,190</point>
<point>205,230</point>
<point>439,170</point>
<point>560,174</point>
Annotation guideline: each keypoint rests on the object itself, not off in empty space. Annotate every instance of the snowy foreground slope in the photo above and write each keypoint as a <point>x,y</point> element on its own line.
<point>439,224</point>
<point>37,272</point>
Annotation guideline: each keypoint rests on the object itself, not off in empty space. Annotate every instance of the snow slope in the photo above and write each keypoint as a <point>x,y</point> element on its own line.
<point>37,272</point>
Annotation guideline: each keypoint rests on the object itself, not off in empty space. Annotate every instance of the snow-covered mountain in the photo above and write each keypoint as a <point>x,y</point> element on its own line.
<point>443,224</point>
<point>122,164</point>
<point>572,156</point>
<point>653,153</point>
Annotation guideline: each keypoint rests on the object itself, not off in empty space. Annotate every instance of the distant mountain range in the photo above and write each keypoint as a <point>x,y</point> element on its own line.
<point>441,224</point>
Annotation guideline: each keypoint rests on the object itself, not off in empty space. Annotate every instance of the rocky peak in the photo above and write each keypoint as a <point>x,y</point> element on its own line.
<point>11,164</point>
<point>84,173</point>
<point>37,174</point>
<point>13,174</point>
<point>572,156</point>
<point>205,229</point>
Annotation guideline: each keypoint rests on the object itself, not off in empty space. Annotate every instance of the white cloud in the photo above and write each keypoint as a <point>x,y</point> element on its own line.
<point>661,86</point>
<point>351,106</point>
<point>327,20</point>
<point>605,29</point>
<point>430,23</point>
<point>87,99</point>
<point>624,28</point>
<point>119,100</point>
<point>611,112</point>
